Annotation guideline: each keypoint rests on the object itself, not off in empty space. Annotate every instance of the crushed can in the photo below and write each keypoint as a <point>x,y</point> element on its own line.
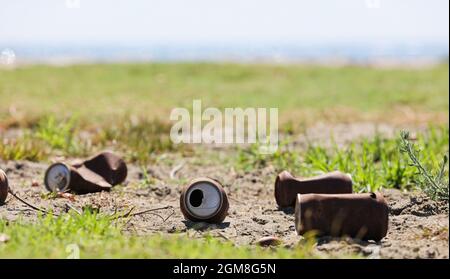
<point>99,173</point>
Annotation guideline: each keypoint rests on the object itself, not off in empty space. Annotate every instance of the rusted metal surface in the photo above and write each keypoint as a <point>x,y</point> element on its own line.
<point>287,186</point>
<point>363,216</point>
<point>204,200</point>
<point>3,187</point>
<point>99,173</point>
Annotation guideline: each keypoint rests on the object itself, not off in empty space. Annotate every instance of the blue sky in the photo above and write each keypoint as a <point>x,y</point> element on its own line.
<point>205,21</point>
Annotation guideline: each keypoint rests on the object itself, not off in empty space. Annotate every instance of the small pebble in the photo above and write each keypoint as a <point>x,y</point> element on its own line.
<point>4,238</point>
<point>269,241</point>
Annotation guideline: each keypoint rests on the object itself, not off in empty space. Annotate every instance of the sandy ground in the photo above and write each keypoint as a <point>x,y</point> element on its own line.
<point>418,227</point>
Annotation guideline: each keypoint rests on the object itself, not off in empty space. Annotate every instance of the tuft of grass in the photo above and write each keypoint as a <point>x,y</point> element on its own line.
<point>48,136</point>
<point>251,158</point>
<point>23,148</point>
<point>98,236</point>
<point>61,135</point>
<point>139,139</point>
<point>374,163</point>
<point>433,183</point>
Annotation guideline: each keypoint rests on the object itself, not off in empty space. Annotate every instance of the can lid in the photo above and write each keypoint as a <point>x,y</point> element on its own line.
<point>203,199</point>
<point>57,178</point>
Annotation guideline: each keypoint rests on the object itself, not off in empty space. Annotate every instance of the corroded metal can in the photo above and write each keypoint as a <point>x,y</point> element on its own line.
<point>362,216</point>
<point>287,186</point>
<point>204,200</point>
<point>57,177</point>
<point>4,187</point>
<point>98,173</point>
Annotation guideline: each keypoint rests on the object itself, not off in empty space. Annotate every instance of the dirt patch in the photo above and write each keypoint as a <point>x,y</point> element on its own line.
<point>418,227</point>
<point>341,134</point>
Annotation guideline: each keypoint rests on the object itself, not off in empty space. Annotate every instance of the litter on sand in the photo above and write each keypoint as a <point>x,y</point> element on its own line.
<point>323,204</point>
<point>204,200</point>
<point>99,173</point>
<point>287,186</point>
<point>362,216</point>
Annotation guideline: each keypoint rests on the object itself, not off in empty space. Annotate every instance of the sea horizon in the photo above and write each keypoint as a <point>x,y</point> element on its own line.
<point>350,53</point>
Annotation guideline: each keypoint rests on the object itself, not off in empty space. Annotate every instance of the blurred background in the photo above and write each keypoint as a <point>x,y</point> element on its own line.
<point>374,61</point>
<point>357,31</point>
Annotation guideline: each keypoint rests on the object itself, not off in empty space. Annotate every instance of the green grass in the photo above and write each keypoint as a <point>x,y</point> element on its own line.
<point>139,140</point>
<point>302,93</point>
<point>24,147</point>
<point>97,236</point>
<point>374,163</point>
<point>127,106</point>
<point>60,135</point>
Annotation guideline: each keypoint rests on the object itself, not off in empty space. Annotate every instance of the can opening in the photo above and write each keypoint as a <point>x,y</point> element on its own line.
<point>57,178</point>
<point>203,199</point>
<point>196,198</point>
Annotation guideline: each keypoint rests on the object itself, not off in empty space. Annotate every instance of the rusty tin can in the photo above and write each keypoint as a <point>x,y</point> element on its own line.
<point>98,173</point>
<point>287,186</point>
<point>204,200</point>
<point>362,216</point>
<point>4,187</point>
